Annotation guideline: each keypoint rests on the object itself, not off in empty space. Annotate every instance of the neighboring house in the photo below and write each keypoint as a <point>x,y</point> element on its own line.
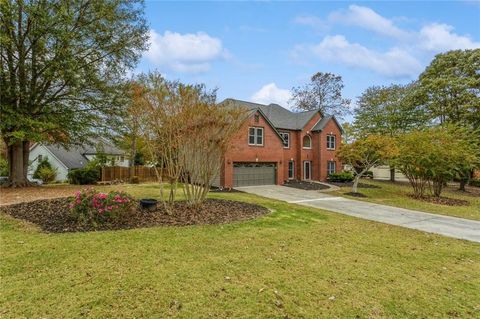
<point>275,145</point>
<point>383,173</point>
<point>66,159</point>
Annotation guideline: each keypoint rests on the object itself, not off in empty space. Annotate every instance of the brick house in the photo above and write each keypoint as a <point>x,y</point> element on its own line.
<point>275,145</point>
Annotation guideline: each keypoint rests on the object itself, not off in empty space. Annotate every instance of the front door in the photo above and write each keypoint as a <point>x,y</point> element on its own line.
<point>307,170</point>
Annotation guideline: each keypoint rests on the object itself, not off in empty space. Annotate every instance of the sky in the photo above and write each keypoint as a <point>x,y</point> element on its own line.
<point>258,51</point>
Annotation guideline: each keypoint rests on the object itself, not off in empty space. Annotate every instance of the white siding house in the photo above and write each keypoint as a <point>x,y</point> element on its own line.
<point>66,159</point>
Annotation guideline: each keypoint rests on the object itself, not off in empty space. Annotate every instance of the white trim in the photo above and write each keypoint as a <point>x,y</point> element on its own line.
<point>288,133</point>
<point>307,148</point>
<point>293,170</point>
<point>309,170</point>
<point>255,135</point>
<point>334,142</point>
<point>53,155</point>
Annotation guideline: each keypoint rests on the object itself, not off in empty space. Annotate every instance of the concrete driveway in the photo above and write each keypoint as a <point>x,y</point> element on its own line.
<point>432,223</point>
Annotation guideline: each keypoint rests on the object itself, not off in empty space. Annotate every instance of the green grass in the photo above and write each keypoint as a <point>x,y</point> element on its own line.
<point>397,194</point>
<point>286,264</point>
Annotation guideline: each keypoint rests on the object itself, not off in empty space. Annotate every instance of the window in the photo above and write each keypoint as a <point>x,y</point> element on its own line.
<point>331,167</point>
<point>40,157</point>
<point>122,158</point>
<point>255,136</point>
<point>291,169</point>
<point>330,142</point>
<point>286,139</point>
<point>307,142</point>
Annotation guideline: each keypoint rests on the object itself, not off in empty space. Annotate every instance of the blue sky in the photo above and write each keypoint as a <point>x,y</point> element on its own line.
<point>258,51</point>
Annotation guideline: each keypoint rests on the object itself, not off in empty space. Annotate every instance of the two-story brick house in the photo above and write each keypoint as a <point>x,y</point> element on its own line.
<point>275,145</point>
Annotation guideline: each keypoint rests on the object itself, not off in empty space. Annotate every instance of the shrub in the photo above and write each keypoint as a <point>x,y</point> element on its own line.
<point>475,182</point>
<point>367,174</point>
<point>90,174</point>
<point>134,180</point>
<point>43,164</point>
<point>47,174</point>
<point>91,207</point>
<point>342,177</point>
<point>3,167</point>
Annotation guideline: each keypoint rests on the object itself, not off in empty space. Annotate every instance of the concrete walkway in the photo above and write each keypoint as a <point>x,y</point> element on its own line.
<point>432,223</point>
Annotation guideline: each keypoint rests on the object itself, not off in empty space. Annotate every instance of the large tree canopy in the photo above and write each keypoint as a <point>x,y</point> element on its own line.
<point>451,86</point>
<point>61,68</point>
<point>324,92</point>
<point>389,110</point>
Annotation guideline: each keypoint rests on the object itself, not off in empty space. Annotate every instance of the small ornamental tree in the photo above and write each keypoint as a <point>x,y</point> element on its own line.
<point>186,133</point>
<point>434,156</point>
<point>364,154</point>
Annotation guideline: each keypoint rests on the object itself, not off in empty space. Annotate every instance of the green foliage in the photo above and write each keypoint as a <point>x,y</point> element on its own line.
<point>62,67</point>
<point>43,164</point>
<point>93,208</point>
<point>3,167</point>
<point>343,177</point>
<point>47,174</point>
<point>139,159</point>
<point>451,87</point>
<point>475,182</point>
<point>435,155</point>
<point>366,153</point>
<point>90,174</point>
<point>389,110</point>
<point>134,180</point>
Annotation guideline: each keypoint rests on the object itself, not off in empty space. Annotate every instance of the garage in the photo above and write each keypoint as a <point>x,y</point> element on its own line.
<point>251,174</point>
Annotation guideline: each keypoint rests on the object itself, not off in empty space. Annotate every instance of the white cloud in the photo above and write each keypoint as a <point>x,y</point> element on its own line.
<point>191,52</point>
<point>406,58</point>
<point>366,18</point>
<point>439,37</point>
<point>270,93</point>
<point>395,62</point>
<point>309,20</point>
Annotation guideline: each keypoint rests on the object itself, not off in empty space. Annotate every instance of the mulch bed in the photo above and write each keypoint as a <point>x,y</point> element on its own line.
<point>306,185</point>
<point>350,184</point>
<point>53,215</point>
<point>444,201</point>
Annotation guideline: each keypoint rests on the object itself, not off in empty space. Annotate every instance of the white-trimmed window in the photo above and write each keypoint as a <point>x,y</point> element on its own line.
<point>291,169</point>
<point>331,167</point>
<point>307,141</point>
<point>255,136</point>
<point>331,142</point>
<point>286,139</point>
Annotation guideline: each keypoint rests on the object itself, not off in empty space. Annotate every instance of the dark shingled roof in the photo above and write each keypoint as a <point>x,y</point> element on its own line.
<point>74,156</point>
<point>279,116</point>
<point>321,124</point>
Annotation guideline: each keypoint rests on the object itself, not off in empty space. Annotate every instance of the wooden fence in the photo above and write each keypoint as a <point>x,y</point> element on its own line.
<point>120,173</point>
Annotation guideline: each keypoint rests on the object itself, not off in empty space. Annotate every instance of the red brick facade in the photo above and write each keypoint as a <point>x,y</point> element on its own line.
<point>273,150</point>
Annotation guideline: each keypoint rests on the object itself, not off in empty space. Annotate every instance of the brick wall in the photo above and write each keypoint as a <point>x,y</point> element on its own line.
<point>270,152</point>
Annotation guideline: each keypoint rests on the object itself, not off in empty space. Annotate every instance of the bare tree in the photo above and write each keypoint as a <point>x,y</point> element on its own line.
<point>324,92</point>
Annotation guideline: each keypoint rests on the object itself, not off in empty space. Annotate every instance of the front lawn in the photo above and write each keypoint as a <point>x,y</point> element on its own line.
<point>294,262</point>
<point>398,194</point>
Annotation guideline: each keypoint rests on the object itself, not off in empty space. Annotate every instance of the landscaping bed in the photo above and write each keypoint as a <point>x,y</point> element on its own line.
<point>306,185</point>
<point>444,201</point>
<point>350,184</point>
<point>53,215</point>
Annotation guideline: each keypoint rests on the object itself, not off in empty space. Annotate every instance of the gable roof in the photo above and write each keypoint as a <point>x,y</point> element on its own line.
<point>323,122</point>
<point>74,156</point>
<point>279,116</point>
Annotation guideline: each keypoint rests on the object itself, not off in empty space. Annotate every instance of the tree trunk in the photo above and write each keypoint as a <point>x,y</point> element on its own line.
<point>355,183</point>
<point>392,174</point>
<point>18,164</point>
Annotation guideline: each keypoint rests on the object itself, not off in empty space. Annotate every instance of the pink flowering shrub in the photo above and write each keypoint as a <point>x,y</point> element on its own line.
<point>89,206</point>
